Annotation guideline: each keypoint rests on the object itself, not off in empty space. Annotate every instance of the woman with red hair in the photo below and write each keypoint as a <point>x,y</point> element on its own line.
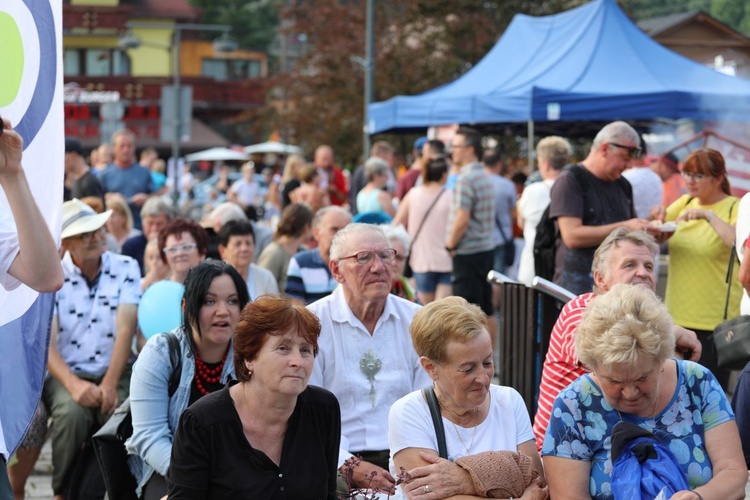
<point>269,434</point>
<point>699,251</point>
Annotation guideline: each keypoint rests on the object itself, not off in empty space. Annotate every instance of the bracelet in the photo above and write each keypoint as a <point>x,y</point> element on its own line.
<point>697,494</point>
<point>709,219</point>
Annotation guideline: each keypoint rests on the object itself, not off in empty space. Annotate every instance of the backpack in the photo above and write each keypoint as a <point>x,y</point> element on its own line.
<point>642,466</point>
<point>108,443</point>
<point>547,232</point>
<point>545,241</point>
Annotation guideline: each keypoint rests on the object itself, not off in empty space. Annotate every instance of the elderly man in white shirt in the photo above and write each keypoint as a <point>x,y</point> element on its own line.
<point>365,355</point>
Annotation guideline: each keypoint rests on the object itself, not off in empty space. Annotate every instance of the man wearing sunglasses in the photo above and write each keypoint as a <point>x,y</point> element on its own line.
<point>590,200</point>
<point>92,332</point>
<point>365,354</point>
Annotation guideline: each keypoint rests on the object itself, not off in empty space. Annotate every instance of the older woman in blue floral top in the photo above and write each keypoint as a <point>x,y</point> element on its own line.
<point>626,341</point>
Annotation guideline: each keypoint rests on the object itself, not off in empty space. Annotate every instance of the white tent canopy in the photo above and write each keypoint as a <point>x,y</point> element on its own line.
<point>273,147</point>
<point>218,154</point>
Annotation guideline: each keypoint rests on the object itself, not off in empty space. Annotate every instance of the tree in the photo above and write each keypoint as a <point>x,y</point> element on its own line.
<point>254,22</point>
<point>419,44</point>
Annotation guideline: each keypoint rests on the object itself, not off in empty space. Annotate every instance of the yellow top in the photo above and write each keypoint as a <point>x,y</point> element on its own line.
<point>698,261</point>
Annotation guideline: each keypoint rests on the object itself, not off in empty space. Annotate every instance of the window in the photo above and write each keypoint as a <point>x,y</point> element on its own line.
<point>231,69</point>
<point>96,62</point>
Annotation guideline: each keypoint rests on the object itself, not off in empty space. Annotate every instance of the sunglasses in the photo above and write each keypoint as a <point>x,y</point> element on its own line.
<point>633,152</point>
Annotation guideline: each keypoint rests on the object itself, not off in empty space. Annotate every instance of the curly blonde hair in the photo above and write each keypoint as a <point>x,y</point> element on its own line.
<point>625,325</point>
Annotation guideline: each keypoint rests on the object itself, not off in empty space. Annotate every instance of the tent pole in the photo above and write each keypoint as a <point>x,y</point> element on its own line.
<point>530,145</point>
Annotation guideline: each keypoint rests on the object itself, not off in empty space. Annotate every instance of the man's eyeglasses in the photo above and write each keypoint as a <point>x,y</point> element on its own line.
<point>366,257</point>
<point>87,237</point>
<point>693,176</point>
<point>187,247</point>
<point>633,152</point>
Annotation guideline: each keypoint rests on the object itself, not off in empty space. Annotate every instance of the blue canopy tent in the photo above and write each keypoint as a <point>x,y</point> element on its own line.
<point>590,63</point>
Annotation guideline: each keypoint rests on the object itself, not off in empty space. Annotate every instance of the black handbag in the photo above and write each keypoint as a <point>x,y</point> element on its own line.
<point>109,440</point>
<point>732,338</point>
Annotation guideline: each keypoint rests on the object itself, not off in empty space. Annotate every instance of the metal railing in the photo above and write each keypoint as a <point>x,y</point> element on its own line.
<point>528,315</point>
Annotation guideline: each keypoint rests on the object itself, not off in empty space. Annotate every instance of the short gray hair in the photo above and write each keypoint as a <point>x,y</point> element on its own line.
<point>320,214</point>
<point>601,256</point>
<point>556,150</point>
<point>157,206</point>
<point>341,238</point>
<point>375,166</point>
<point>224,212</point>
<point>398,233</point>
<point>617,132</point>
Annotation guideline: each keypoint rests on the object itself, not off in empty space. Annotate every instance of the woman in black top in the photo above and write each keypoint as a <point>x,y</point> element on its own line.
<point>270,435</point>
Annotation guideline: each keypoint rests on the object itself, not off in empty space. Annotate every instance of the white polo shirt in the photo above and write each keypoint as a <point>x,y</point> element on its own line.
<point>346,349</point>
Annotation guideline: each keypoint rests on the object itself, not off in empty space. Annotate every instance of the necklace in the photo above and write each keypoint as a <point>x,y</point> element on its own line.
<point>471,443</point>
<point>455,427</point>
<point>208,375</point>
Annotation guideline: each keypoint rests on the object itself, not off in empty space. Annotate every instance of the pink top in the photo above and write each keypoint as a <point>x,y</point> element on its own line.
<point>428,252</point>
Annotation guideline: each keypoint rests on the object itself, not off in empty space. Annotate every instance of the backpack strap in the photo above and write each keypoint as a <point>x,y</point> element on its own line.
<point>175,359</point>
<point>437,420</point>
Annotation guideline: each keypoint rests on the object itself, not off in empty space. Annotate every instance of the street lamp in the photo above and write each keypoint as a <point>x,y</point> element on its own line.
<point>222,44</point>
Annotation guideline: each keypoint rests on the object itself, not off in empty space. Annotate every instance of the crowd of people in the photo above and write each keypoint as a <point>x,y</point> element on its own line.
<point>328,353</point>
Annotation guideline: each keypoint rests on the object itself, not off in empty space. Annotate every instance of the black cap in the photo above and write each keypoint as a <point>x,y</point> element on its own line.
<point>73,145</point>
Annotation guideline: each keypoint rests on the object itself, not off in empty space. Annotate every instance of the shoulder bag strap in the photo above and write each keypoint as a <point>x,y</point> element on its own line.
<point>730,268</point>
<point>175,358</point>
<point>437,420</point>
<point>427,214</point>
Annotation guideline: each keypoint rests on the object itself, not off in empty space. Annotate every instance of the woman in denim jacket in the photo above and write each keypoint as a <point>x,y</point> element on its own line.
<point>214,296</point>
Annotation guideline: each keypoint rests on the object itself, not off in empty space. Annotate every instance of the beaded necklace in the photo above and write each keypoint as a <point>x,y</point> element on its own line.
<point>208,375</point>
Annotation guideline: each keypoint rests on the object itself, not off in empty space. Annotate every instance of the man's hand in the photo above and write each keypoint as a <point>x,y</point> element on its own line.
<point>139,199</point>
<point>109,398</point>
<point>440,479</point>
<point>363,477</point>
<point>637,224</point>
<point>686,342</point>
<point>11,148</point>
<point>85,393</point>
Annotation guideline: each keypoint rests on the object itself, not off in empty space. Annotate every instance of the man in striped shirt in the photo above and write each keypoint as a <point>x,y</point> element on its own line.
<point>623,257</point>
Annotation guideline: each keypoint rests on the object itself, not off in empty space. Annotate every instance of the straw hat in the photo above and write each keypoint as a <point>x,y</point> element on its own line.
<point>79,218</point>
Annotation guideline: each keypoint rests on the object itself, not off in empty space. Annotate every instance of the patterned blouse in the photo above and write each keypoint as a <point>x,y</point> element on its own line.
<point>582,422</point>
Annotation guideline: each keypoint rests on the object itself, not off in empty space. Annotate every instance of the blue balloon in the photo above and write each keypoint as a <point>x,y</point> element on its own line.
<point>160,308</point>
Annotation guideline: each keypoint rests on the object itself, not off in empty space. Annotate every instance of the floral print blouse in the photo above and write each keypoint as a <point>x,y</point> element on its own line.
<point>582,422</point>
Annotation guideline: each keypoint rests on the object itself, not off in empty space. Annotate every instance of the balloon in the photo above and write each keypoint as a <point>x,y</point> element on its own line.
<point>160,308</point>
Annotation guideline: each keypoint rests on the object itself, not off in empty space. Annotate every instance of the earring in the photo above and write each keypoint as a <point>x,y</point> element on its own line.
<point>250,373</point>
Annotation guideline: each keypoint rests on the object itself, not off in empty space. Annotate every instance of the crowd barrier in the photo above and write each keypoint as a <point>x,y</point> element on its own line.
<point>527,317</point>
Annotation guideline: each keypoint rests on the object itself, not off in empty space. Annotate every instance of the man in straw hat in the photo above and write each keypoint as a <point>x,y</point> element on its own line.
<point>92,332</point>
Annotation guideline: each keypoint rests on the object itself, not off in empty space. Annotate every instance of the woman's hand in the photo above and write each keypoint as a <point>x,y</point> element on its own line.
<point>440,479</point>
<point>686,495</point>
<point>657,213</point>
<point>696,214</point>
<point>537,490</point>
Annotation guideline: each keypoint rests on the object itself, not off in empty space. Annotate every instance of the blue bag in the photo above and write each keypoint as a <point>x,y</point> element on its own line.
<point>642,466</point>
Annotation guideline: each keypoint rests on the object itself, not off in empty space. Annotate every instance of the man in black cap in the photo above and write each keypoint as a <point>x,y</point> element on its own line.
<point>80,181</point>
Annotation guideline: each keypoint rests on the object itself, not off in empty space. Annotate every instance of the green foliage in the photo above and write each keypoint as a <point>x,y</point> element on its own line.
<point>254,22</point>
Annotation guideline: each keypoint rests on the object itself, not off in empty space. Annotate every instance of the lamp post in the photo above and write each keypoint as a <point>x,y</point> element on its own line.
<point>221,44</point>
<point>369,68</point>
